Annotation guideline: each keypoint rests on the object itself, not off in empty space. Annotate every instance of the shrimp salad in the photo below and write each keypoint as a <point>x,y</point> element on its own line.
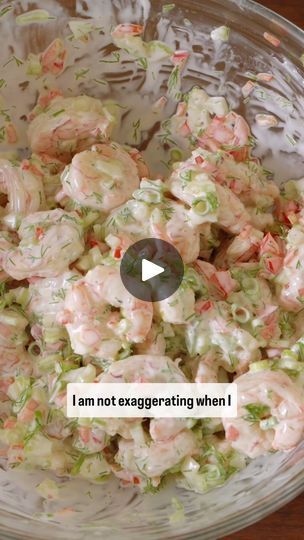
<point>68,213</point>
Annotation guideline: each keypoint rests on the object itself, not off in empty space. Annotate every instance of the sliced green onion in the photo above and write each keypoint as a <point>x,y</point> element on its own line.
<point>47,363</point>
<point>289,363</point>
<point>167,8</point>
<point>34,16</point>
<point>34,349</point>
<point>176,155</point>
<point>266,120</point>
<point>33,66</point>
<point>288,354</point>
<point>220,34</point>
<point>200,206</point>
<point>240,313</point>
<point>261,365</point>
<point>53,334</point>
<point>250,285</point>
<point>80,29</point>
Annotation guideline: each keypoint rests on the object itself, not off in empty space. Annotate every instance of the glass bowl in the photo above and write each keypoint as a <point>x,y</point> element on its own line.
<point>108,511</point>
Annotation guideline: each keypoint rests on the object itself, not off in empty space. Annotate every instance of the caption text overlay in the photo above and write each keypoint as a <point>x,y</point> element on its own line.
<point>152,400</point>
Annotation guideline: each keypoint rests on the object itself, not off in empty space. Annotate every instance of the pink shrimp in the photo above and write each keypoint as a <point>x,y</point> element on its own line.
<point>286,211</point>
<point>219,282</point>
<point>158,457</point>
<point>24,189</point>
<point>54,57</point>
<point>242,248</point>
<point>275,397</point>
<point>92,439</point>
<point>127,29</point>
<point>143,368</point>
<point>203,305</point>
<point>271,255</point>
<point>179,58</point>
<point>230,131</point>
<point>69,125</point>
<point>163,429</point>
<point>270,318</point>
<point>102,178</point>
<point>85,314</point>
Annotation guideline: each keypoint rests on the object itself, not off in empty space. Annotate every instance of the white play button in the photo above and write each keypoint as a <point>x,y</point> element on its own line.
<point>150,270</point>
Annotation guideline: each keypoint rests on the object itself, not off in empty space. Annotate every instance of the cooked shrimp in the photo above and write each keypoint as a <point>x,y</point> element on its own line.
<point>70,125</point>
<point>127,29</point>
<point>219,283</point>
<point>248,179</point>
<point>163,429</point>
<point>50,241</point>
<point>200,107</point>
<point>270,414</point>
<point>272,251</point>
<point>92,328</point>
<point>236,348</point>
<point>230,132</point>
<point>46,296</point>
<point>178,230</point>
<point>144,368</point>
<point>90,439</point>
<point>210,202</point>
<point>193,116</point>
<point>24,191</point>
<point>161,218</point>
<point>53,58</point>
<point>119,426</point>
<point>242,248</point>
<point>177,308</point>
<point>101,178</point>
<point>290,280</point>
<point>154,460</point>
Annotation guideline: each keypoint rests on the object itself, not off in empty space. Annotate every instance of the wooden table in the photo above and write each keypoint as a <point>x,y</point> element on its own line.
<point>287,523</point>
<point>290,9</point>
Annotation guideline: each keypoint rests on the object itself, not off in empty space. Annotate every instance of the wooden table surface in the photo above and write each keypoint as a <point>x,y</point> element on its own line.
<point>287,523</point>
<point>290,9</point>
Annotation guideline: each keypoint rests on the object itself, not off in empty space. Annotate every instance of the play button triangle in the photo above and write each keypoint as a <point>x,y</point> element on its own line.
<point>149,270</point>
